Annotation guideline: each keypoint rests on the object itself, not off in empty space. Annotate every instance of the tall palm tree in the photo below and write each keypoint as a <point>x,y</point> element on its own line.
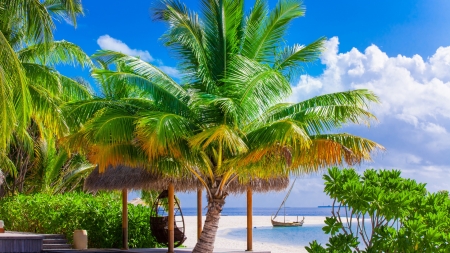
<point>227,121</point>
<point>31,90</point>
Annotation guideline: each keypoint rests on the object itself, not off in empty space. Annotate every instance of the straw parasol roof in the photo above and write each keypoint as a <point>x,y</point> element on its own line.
<point>124,177</point>
<point>259,185</point>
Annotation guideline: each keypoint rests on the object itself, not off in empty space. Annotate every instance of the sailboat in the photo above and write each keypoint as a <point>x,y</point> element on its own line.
<point>286,223</point>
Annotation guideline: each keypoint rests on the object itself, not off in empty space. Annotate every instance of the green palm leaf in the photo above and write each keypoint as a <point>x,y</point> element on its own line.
<point>143,69</point>
<point>271,32</point>
<point>56,52</point>
<point>291,58</point>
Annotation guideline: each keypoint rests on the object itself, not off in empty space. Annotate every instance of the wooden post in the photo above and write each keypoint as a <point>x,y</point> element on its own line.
<point>171,219</point>
<point>125,219</point>
<point>199,212</point>
<point>249,219</point>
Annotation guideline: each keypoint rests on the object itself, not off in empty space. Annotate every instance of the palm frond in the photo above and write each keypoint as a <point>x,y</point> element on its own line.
<point>66,10</point>
<point>163,134</point>
<point>11,74</point>
<point>254,86</point>
<point>144,69</point>
<point>291,58</point>
<point>252,25</point>
<point>186,38</point>
<point>324,112</point>
<point>334,150</point>
<point>229,139</point>
<point>46,110</point>
<point>74,89</point>
<point>111,125</point>
<point>158,93</point>
<point>7,166</point>
<point>223,32</point>
<point>54,53</point>
<point>35,21</point>
<point>78,113</point>
<point>271,32</point>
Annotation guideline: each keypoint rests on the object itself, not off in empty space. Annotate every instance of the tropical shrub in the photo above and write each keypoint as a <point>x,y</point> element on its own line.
<point>381,212</point>
<point>63,213</point>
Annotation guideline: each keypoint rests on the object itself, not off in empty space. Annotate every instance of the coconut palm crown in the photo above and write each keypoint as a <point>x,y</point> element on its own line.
<point>227,120</point>
<point>32,90</point>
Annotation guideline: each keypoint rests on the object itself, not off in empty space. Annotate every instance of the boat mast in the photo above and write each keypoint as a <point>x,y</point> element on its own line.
<point>284,201</point>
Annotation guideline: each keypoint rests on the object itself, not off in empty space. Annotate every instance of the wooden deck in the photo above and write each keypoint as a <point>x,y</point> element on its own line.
<point>20,242</point>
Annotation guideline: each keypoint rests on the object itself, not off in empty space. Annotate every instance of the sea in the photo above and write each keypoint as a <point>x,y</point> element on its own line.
<point>289,236</point>
<point>267,211</point>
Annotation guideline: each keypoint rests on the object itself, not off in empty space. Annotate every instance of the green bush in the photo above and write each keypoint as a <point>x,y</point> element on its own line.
<point>100,215</point>
<point>381,212</point>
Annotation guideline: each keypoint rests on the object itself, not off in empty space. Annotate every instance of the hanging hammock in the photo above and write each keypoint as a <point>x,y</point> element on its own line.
<point>159,221</point>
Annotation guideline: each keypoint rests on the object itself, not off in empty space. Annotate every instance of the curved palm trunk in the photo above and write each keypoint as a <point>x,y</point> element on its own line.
<point>205,243</point>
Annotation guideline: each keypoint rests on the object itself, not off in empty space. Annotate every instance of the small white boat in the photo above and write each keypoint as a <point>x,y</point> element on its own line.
<point>286,223</point>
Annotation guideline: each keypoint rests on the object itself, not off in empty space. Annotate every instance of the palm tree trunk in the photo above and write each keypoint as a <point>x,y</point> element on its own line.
<point>205,243</point>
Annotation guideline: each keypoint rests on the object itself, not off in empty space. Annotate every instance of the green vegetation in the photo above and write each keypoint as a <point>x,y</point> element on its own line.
<point>31,94</point>
<point>63,213</point>
<point>402,215</point>
<point>227,120</point>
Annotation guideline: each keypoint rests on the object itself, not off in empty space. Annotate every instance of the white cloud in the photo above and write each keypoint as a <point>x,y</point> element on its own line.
<point>173,72</point>
<point>414,113</point>
<point>106,42</point>
<point>434,128</point>
<point>411,89</point>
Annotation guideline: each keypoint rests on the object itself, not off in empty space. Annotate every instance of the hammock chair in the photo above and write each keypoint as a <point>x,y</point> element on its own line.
<point>159,221</point>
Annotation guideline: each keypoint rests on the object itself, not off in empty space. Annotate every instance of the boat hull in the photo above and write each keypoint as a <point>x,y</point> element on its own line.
<point>287,224</point>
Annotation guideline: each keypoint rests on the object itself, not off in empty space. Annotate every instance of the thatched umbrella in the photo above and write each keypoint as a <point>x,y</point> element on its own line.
<point>124,177</point>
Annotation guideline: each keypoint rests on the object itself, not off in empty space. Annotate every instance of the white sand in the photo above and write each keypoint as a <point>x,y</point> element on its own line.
<point>232,222</point>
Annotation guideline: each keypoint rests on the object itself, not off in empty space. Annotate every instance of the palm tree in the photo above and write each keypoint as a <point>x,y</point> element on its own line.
<point>227,121</point>
<point>31,90</point>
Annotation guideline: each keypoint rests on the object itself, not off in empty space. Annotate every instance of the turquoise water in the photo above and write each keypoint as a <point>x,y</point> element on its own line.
<point>289,236</point>
<point>264,211</point>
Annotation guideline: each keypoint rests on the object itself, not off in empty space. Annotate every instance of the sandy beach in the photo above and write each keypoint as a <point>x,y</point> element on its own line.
<point>233,222</point>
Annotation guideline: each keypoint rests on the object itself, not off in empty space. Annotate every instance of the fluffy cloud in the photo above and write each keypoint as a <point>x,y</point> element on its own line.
<point>414,114</point>
<point>106,42</point>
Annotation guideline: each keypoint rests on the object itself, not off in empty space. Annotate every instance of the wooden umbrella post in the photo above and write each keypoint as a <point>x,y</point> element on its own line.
<point>199,212</point>
<point>125,219</point>
<point>249,219</point>
<point>171,218</point>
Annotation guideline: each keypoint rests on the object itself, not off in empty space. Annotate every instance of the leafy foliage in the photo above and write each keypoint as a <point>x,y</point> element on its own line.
<point>226,120</point>
<point>63,213</point>
<point>32,92</point>
<point>381,212</point>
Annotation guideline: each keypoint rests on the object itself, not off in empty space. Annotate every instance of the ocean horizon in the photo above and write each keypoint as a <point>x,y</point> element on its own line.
<point>265,211</point>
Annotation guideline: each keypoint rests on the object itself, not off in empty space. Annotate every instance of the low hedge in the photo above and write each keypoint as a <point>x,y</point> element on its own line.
<point>100,215</point>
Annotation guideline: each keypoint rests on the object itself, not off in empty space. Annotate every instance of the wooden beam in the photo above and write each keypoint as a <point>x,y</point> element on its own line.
<point>125,219</point>
<point>249,219</point>
<point>171,218</point>
<point>199,212</point>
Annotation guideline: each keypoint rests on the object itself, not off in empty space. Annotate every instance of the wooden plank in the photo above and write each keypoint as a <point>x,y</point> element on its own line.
<point>10,242</point>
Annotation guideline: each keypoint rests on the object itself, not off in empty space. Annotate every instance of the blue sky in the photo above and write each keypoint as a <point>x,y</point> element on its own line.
<point>399,49</point>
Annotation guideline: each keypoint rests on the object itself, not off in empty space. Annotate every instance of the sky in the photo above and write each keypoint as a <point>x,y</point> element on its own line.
<point>398,49</point>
